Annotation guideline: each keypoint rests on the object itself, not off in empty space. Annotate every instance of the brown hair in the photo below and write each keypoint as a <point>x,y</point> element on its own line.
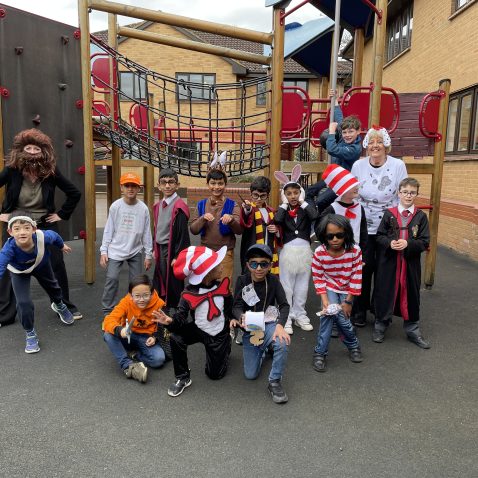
<point>352,122</point>
<point>409,182</point>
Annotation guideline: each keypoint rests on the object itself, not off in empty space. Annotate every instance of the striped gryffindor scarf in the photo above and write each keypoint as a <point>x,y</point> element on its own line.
<point>260,236</point>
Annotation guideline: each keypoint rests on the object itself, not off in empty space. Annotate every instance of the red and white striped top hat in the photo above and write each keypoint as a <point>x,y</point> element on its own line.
<point>339,179</point>
<point>196,261</point>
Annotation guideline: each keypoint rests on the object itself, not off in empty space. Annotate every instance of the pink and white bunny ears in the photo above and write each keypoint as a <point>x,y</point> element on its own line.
<point>294,177</point>
<point>374,131</point>
<point>219,162</point>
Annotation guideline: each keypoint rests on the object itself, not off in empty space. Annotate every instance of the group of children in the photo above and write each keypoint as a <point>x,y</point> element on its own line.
<point>159,319</point>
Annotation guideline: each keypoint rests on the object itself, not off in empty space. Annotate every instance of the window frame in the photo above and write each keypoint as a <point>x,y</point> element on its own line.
<point>185,98</point>
<point>473,123</point>
<point>396,41</point>
<point>137,80</point>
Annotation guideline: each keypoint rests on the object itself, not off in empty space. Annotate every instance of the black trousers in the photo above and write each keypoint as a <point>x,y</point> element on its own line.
<point>218,349</point>
<point>363,302</point>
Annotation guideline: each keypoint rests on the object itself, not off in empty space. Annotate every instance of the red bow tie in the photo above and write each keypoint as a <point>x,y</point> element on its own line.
<point>349,213</point>
<point>293,211</point>
<point>195,299</point>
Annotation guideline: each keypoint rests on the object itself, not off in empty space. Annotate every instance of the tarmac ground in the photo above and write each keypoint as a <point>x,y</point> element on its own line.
<point>404,412</point>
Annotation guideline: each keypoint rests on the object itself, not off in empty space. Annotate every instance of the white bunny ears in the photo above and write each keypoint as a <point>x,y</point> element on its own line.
<point>294,177</point>
<point>218,162</point>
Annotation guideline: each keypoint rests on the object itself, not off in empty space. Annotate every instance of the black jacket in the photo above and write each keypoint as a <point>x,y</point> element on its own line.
<point>13,178</point>
<point>305,218</point>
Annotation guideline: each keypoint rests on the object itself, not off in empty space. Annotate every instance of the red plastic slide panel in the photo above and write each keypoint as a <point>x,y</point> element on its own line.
<point>295,111</point>
<point>138,116</point>
<point>428,115</point>
<point>316,129</point>
<point>101,107</point>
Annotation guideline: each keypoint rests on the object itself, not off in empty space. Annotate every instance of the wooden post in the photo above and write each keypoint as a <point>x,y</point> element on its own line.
<point>379,36</point>
<point>359,43</point>
<point>148,171</point>
<point>114,189</point>
<point>90,198</point>
<point>435,197</point>
<point>276,107</point>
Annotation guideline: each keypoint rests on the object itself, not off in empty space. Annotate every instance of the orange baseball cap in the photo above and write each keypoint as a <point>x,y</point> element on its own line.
<point>131,178</point>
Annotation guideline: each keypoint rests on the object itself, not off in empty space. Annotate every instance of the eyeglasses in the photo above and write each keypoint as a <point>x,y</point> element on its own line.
<point>146,296</point>
<point>259,265</point>
<point>262,196</point>
<point>409,193</point>
<point>338,235</point>
<point>166,182</point>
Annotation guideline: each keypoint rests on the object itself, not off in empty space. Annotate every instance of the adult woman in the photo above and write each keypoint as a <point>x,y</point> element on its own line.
<point>30,178</point>
<point>379,175</point>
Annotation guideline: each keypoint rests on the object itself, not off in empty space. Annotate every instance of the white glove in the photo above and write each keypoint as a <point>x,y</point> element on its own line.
<point>302,195</point>
<point>283,198</point>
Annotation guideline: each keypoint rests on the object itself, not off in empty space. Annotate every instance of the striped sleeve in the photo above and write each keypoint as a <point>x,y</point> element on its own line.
<point>318,273</point>
<point>355,284</point>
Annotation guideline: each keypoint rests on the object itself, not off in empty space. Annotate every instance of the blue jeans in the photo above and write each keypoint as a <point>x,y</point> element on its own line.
<point>346,330</point>
<point>151,356</point>
<point>253,354</point>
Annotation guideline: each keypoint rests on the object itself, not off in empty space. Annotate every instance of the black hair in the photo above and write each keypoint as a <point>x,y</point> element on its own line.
<point>261,184</point>
<point>339,221</point>
<point>141,279</point>
<point>216,174</point>
<point>168,173</point>
<point>292,185</point>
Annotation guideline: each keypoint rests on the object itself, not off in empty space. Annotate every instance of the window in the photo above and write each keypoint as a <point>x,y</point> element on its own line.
<point>261,97</point>
<point>304,84</point>
<point>133,86</point>
<point>399,32</point>
<point>187,156</point>
<point>461,3</point>
<point>195,86</point>
<point>462,131</point>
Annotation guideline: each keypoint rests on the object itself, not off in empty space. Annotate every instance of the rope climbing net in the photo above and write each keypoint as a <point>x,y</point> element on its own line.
<point>179,123</point>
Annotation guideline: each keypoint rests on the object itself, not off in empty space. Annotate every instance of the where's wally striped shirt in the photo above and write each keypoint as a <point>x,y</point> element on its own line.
<point>341,274</point>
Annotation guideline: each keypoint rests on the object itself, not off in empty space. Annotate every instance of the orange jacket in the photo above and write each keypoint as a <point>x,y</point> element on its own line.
<point>127,309</point>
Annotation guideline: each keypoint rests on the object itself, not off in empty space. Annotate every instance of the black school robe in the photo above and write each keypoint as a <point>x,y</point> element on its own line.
<point>386,297</point>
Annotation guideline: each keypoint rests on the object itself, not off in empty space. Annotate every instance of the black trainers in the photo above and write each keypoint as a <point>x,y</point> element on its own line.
<point>137,371</point>
<point>378,336</point>
<point>419,340</point>
<point>355,355</point>
<point>359,319</point>
<point>277,392</point>
<point>178,386</point>
<point>319,363</point>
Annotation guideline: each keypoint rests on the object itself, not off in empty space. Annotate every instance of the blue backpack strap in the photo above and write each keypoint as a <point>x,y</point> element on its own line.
<point>201,211</point>
<point>228,208</point>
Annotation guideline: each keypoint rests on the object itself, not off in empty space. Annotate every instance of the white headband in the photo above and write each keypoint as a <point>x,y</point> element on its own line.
<point>382,131</point>
<point>21,218</point>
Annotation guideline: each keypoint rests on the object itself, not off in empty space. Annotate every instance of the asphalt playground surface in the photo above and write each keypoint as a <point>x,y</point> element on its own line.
<point>404,412</point>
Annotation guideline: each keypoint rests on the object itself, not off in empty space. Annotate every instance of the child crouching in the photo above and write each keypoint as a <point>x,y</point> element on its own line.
<point>337,276</point>
<point>130,327</point>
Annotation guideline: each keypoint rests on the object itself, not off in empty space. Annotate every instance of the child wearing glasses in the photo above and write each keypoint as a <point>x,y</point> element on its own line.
<point>171,236</point>
<point>257,220</point>
<point>337,277</point>
<point>402,236</point>
<point>260,291</point>
<point>129,330</point>
<point>126,236</point>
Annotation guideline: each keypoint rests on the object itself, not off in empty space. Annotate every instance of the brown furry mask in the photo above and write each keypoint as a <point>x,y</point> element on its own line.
<point>40,165</point>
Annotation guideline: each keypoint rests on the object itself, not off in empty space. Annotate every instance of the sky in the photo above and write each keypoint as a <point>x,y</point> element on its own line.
<point>244,13</point>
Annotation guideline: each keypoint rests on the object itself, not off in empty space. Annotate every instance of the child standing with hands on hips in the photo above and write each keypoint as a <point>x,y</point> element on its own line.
<point>337,276</point>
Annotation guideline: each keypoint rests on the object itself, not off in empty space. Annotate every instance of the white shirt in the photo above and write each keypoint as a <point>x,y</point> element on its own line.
<point>378,187</point>
<point>127,231</point>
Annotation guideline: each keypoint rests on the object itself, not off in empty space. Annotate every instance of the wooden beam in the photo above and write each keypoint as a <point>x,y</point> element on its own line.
<point>180,21</point>
<point>90,198</point>
<point>359,43</point>
<point>435,196</point>
<point>379,37</point>
<point>276,107</point>
<point>193,45</point>
<point>308,167</point>
<point>115,192</point>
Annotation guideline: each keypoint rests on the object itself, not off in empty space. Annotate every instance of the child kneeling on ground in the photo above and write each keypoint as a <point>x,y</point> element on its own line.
<point>129,330</point>
<point>26,254</point>
<point>260,291</point>
<point>337,277</point>
<point>203,315</point>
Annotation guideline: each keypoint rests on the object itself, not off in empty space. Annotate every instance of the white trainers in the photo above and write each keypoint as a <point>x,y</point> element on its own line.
<point>288,327</point>
<point>304,323</point>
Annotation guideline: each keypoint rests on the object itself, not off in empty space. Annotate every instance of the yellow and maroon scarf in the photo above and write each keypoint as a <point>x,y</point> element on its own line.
<point>260,237</point>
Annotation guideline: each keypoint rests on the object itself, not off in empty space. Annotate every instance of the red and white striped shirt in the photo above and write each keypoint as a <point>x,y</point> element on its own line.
<point>342,274</point>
